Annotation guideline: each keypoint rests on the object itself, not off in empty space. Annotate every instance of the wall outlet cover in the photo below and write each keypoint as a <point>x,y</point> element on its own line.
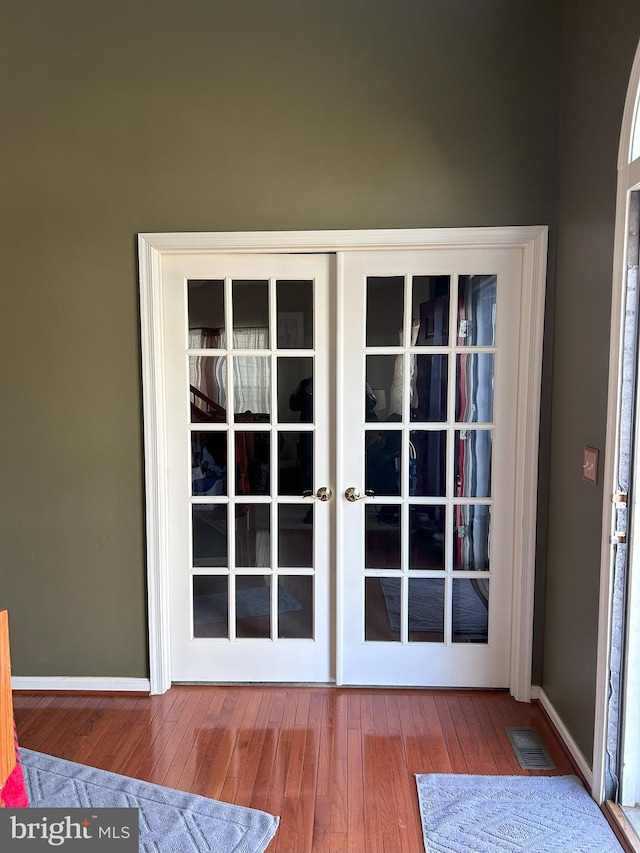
<point>590,465</point>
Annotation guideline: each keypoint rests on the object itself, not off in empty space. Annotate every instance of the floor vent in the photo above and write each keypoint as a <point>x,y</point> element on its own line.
<point>530,751</point>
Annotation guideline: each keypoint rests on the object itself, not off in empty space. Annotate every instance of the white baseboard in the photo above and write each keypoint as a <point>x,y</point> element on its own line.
<point>535,691</point>
<point>569,742</point>
<point>85,683</point>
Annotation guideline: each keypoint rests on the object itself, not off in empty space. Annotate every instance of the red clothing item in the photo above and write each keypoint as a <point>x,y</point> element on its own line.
<point>14,793</point>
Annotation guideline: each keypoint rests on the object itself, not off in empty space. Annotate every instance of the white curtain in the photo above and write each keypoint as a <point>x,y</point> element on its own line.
<point>395,397</point>
<point>202,369</point>
<point>251,373</point>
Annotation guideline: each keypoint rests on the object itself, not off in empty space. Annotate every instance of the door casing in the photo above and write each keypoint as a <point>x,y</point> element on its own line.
<point>623,724</point>
<point>532,240</point>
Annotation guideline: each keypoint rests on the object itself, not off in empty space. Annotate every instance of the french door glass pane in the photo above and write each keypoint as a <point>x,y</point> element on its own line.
<point>209,463</point>
<point>253,535</point>
<point>430,300</point>
<point>385,310</point>
<point>294,306</point>
<point>253,462</point>
<point>210,606</point>
<point>295,535</point>
<point>383,455</point>
<point>474,387</point>
<point>426,610</point>
<point>251,387</point>
<point>382,537</point>
<point>250,301</point>
<point>427,526</point>
<point>472,456</point>
<point>382,609</point>
<point>206,314</point>
<point>253,606</point>
<point>471,537</point>
<point>295,462</point>
<point>208,389</point>
<point>429,463</point>
<point>477,310</point>
<point>295,389</point>
<point>381,401</point>
<point>470,611</point>
<point>295,607</point>
<point>429,402</point>
<point>210,535</point>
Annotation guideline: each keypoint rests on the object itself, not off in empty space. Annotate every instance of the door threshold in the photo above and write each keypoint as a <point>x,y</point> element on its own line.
<point>312,684</point>
<point>253,684</point>
<point>626,824</point>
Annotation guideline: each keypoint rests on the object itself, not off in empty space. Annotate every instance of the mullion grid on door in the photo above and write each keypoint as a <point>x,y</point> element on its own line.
<point>362,508</point>
<point>273,455</point>
<point>231,452</point>
<point>411,352</point>
<point>242,427</point>
<point>404,574</point>
<point>193,500</point>
<point>276,428</point>
<point>450,480</point>
<point>449,500</point>
<point>451,350</point>
<point>231,429</point>
<point>453,501</point>
<point>220,501</point>
<point>407,339</point>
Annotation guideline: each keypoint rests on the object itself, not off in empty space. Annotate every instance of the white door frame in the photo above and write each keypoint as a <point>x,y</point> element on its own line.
<point>628,180</point>
<point>532,240</point>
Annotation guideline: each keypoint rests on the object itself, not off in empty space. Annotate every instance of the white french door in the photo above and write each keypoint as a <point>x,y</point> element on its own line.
<point>428,465</point>
<point>247,367</point>
<point>344,448</point>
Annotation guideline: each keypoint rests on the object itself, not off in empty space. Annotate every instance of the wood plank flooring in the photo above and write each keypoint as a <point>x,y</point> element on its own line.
<point>337,765</point>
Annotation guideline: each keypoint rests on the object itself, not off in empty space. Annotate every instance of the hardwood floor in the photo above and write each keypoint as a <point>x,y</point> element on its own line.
<point>336,764</point>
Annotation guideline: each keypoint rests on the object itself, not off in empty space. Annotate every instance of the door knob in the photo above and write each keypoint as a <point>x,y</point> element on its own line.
<point>352,494</point>
<point>324,493</point>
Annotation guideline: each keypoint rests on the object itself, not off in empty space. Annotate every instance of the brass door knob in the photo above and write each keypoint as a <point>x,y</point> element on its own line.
<point>324,493</point>
<point>352,494</point>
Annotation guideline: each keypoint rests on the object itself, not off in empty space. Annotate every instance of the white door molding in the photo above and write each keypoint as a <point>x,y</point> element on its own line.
<point>628,180</point>
<point>152,247</point>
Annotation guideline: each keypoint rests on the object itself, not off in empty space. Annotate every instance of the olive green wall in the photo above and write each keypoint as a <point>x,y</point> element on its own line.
<point>122,116</point>
<point>598,50</point>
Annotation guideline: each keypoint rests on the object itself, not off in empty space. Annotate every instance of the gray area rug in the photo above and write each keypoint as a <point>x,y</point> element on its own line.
<point>492,814</point>
<point>255,601</point>
<point>170,821</point>
<point>426,607</point>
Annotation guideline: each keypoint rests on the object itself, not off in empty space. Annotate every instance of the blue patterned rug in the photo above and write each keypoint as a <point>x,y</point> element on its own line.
<point>492,814</point>
<point>170,821</point>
